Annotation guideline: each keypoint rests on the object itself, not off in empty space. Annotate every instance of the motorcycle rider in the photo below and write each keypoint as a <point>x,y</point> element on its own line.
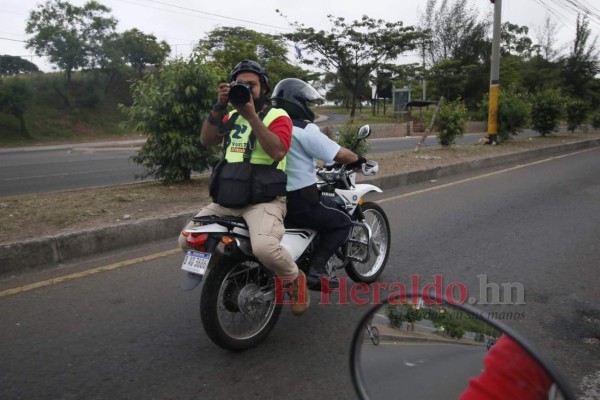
<point>272,129</point>
<point>305,207</point>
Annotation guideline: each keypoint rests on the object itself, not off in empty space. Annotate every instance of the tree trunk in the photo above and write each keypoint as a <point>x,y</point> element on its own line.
<point>353,109</point>
<point>24,130</point>
<point>68,73</point>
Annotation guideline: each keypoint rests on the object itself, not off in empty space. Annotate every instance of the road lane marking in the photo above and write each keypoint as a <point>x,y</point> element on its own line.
<point>77,275</point>
<point>445,185</point>
<point>128,263</point>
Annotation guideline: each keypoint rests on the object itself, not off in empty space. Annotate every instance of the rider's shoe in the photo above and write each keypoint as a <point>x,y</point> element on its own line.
<point>313,279</point>
<point>300,294</point>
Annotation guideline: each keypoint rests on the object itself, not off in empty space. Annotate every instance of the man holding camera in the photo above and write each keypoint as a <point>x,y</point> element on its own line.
<point>255,139</point>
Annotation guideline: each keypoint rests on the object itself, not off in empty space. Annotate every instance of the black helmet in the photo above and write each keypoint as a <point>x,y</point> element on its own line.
<point>251,66</point>
<point>294,96</point>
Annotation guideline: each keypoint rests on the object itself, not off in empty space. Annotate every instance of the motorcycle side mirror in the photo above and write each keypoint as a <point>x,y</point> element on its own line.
<point>427,348</point>
<point>363,132</point>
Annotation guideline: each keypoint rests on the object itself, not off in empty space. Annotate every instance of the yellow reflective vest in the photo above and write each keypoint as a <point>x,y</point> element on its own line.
<point>240,134</point>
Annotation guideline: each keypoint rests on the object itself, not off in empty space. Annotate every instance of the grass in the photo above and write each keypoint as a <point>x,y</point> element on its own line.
<point>49,120</point>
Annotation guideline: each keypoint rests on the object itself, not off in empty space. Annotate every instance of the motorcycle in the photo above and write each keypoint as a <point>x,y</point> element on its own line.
<point>240,300</point>
<point>446,356</point>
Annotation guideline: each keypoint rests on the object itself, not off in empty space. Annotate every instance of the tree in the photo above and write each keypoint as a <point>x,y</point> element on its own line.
<point>582,64</point>
<point>229,45</point>
<point>454,31</point>
<point>539,74</point>
<point>70,36</point>
<point>140,49</point>
<point>171,107</point>
<point>15,95</point>
<point>354,50</point>
<point>546,38</point>
<point>458,50</point>
<point>13,65</point>
<point>514,41</point>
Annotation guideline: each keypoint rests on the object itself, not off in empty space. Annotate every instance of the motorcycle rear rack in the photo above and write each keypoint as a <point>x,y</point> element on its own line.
<point>228,222</point>
<point>352,243</point>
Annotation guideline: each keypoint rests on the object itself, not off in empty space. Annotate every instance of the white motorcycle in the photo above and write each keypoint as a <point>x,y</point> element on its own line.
<point>238,304</point>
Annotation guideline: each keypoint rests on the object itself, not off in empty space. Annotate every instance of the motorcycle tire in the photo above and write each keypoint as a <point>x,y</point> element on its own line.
<point>234,312</point>
<point>369,271</point>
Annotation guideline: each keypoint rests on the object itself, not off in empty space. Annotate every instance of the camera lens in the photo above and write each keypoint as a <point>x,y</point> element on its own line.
<point>239,94</point>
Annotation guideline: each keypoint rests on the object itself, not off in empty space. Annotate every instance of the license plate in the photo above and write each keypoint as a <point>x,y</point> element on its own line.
<point>196,262</point>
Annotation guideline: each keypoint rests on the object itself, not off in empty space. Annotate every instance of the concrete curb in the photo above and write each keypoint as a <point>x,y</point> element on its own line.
<point>42,252</point>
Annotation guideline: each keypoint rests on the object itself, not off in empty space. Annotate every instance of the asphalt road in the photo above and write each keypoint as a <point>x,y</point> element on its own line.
<point>85,165</point>
<point>434,371</point>
<point>128,332</point>
<point>66,167</point>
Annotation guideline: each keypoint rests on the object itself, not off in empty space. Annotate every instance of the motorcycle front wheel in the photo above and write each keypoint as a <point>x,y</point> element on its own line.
<point>237,305</point>
<point>379,244</point>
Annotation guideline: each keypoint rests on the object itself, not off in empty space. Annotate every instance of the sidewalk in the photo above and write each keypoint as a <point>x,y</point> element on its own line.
<point>43,252</point>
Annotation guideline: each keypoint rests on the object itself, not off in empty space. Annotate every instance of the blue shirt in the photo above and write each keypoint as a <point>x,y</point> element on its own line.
<point>308,146</point>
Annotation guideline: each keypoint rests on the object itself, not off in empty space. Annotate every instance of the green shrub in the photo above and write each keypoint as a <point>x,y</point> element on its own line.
<point>547,109</point>
<point>347,138</point>
<point>514,113</point>
<point>171,108</point>
<point>451,122</point>
<point>577,113</point>
<point>93,94</point>
<point>15,97</point>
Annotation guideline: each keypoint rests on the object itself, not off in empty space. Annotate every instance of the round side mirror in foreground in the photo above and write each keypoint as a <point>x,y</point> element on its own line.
<point>427,348</point>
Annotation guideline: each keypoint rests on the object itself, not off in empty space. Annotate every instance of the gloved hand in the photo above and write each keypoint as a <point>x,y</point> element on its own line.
<point>356,164</point>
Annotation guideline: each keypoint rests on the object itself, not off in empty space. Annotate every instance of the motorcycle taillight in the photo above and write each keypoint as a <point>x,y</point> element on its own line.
<point>196,240</point>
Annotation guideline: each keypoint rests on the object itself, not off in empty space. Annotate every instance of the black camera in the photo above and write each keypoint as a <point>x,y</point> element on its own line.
<point>239,93</point>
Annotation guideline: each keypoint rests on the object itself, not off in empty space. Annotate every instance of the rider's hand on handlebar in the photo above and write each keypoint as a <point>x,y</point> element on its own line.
<point>356,164</point>
<point>370,167</point>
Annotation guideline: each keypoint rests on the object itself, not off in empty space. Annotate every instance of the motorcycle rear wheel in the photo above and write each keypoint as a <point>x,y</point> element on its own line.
<point>380,241</point>
<point>237,305</point>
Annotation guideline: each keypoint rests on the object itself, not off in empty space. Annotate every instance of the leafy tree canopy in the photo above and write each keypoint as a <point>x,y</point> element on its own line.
<point>70,36</point>
<point>229,45</point>
<point>141,49</point>
<point>354,50</point>
<point>13,65</point>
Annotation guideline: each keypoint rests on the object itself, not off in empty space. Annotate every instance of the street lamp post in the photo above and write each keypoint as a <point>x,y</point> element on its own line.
<point>495,75</point>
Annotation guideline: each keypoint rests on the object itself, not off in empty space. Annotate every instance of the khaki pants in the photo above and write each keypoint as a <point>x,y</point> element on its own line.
<point>265,223</point>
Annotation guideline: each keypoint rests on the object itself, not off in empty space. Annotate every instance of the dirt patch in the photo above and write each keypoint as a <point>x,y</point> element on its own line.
<point>48,214</point>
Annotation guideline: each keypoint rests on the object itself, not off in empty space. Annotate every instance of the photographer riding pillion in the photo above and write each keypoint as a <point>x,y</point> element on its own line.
<point>250,180</point>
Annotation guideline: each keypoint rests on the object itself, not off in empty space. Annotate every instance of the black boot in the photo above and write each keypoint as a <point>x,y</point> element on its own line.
<point>317,271</point>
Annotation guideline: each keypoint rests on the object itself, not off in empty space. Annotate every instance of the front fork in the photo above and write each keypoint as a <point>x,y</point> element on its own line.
<point>357,245</point>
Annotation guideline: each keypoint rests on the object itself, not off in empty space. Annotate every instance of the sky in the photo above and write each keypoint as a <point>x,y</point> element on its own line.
<point>182,22</point>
